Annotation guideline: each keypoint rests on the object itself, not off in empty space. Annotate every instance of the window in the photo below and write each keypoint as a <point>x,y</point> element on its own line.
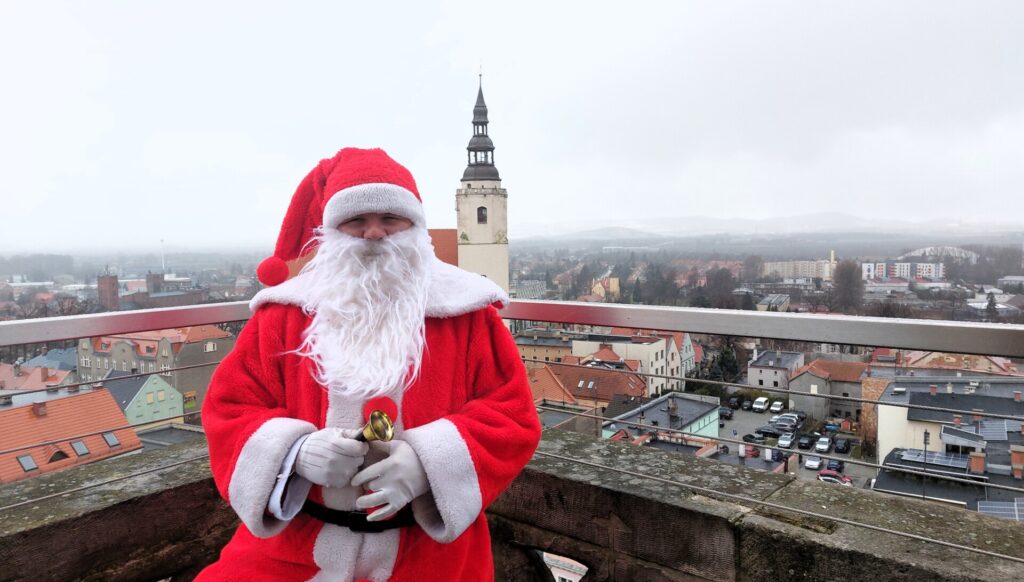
<point>846,394</point>
<point>210,347</point>
<point>775,383</point>
<point>481,215</point>
<point>124,365</point>
<point>106,363</point>
<point>152,367</point>
<point>760,382</point>
<point>85,362</point>
<point>27,463</point>
<point>149,398</point>
<point>164,369</point>
<point>160,396</point>
<point>111,439</point>
<point>80,449</point>
<point>58,456</point>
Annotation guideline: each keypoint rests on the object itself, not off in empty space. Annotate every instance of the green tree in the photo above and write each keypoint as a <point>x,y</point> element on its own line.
<point>849,286</point>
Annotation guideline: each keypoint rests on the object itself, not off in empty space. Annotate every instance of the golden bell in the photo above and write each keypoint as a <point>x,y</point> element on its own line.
<point>378,428</point>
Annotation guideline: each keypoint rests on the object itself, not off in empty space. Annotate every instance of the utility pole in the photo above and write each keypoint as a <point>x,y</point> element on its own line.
<point>927,439</point>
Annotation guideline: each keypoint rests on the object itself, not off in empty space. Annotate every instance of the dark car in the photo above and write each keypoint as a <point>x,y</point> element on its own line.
<point>842,446</point>
<point>786,424</point>
<point>800,413</point>
<point>725,413</point>
<point>747,404</point>
<point>805,441</point>
<point>769,431</point>
<point>835,465</point>
<point>734,402</point>
<point>757,439</point>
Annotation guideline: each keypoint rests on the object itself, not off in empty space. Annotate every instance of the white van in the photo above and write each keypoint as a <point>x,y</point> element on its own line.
<point>760,405</point>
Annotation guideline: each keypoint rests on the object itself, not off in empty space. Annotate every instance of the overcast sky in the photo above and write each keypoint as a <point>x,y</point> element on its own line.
<point>122,123</point>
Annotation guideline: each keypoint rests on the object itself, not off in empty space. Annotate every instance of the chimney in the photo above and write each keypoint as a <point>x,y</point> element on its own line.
<point>1017,461</point>
<point>977,417</point>
<point>1016,395</point>
<point>39,408</point>
<point>17,369</point>
<point>977,463</point>
<point>44,350</point>
<point>933,389</point>
<point>44,373</point>
<point>957,420</point>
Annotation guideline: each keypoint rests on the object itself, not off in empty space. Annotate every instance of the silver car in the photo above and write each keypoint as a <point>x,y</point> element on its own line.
<point>786,440</point>
<point>813,463</point>
<point>823,445</point>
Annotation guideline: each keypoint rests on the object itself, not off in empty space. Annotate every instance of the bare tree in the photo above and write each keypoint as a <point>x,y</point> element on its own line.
<point>848,285</point>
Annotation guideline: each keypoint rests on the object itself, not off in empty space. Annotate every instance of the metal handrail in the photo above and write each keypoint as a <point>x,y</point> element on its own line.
<point>993,339</point>
<point>989,339</point>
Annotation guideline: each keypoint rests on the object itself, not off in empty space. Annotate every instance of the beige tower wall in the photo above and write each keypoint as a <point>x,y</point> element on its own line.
<point>490,261</point>
<point>483,248</point>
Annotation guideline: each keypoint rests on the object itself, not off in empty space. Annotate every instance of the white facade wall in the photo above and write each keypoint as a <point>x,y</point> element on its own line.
<point>483,246</point>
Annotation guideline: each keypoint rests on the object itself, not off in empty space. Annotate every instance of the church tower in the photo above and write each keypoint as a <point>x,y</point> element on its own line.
<point>482,205</point>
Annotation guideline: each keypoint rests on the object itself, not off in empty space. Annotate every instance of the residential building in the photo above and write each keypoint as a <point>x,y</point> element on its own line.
<point>482,206</point>
<point>595,383</point>
<point>538,345</point>
<point>1011,281</point>
<point>820,269</point>
<point>832,378</point>
<point>652,352</point>
<point>146,399</point>
<point>886,286</point>
<point>773,368</point>
<point>17,376</point>
<point>78,429</point>
<point>889,269</point>
<point>58,359</point>
<point>160,352</point>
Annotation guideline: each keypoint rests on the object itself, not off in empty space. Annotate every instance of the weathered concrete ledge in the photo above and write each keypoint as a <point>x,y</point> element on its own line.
<point>171,523</point>
<point>165,524</point>
<point>629,528</point>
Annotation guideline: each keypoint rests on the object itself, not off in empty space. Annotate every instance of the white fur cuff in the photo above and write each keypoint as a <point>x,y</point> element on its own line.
<point>256,472</point>
<point>380,198</point>
<point>454,501</point>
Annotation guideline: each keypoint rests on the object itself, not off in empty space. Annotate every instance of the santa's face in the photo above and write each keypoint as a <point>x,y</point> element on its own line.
<point>366,291</point>
<point>374,226</point>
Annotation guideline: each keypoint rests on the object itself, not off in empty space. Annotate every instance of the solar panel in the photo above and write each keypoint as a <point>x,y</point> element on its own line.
<point>943,459</point>
<point>1003,509</point>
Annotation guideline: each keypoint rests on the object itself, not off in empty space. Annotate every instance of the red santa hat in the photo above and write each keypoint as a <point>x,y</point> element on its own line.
<point>353,182</point>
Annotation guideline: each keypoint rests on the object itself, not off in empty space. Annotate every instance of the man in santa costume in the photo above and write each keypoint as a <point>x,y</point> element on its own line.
<point>360,315</point>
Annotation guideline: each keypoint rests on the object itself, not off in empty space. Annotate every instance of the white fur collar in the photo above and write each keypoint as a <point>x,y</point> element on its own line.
<point>452,292</point>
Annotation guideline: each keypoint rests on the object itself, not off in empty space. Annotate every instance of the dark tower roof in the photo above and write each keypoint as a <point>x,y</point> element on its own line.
<point>480,151</point>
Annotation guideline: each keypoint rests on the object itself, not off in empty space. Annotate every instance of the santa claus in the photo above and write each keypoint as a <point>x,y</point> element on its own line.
<point>360,315</point>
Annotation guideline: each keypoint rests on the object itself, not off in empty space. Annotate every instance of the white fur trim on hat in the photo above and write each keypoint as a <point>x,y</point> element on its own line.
<point>382,198</point>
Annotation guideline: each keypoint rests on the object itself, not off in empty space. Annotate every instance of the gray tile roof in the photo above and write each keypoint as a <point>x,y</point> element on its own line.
<point>125,389</point>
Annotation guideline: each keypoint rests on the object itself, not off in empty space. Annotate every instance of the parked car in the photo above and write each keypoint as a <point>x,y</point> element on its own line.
<point>786,440</point>
<point>760,405</point>
<point>785,424</point>
<point>805,441</point>
<point>829,476</point>
<point>725,412</point>
<point>756,438</point>
<point>777,406</point>
<point>769,431</point>
<point>823,445</point>
<point>734,402</point>
<point>747,405</point>
<point>835,465</point>
<point>795,418</point>
<point>843,445</point>
<point>800,414</point>
<point>813,463</point>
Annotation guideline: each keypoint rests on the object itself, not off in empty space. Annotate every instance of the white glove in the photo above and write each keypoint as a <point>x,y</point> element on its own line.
<point>329,457</point>
<point>393,482</point>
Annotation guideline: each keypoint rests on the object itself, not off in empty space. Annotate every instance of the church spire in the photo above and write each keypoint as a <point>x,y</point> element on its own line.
<point>480,152</point>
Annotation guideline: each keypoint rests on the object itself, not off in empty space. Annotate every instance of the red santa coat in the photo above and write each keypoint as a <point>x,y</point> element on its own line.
<point>469,417</point>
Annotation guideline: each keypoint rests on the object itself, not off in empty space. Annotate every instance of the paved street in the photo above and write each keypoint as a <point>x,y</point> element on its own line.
<point>745,422</point>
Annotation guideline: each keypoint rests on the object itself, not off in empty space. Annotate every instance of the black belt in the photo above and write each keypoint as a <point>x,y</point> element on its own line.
<point>356,520</point>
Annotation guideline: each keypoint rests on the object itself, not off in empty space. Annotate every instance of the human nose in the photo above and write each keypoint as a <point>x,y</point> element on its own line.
<point>374,231</point>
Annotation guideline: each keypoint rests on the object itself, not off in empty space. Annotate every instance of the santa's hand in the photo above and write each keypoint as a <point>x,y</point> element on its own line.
<point>329,457</point>
<point>394,482</point>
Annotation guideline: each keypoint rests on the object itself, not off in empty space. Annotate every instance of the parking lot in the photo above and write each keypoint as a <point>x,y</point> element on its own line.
<point>746,422</point>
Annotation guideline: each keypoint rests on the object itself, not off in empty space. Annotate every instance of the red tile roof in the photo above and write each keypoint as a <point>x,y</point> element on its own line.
<point>30,378</point>
<point>446,244</point>
<point>606,354</point>
<point>57,420</point>
<point>838,371</point>
<point>595,383</point>
<point>545,386</point>
<point>151,339</point>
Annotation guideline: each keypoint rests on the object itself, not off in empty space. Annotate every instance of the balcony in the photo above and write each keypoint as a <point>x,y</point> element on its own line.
<point>626,512</point>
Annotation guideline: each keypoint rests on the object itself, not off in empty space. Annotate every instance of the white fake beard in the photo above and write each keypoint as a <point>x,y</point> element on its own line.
<point>368,304</point>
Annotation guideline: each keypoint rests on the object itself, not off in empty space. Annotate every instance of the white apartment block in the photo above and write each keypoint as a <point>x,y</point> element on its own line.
<point>800,269</point>
<point>902,269</point>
